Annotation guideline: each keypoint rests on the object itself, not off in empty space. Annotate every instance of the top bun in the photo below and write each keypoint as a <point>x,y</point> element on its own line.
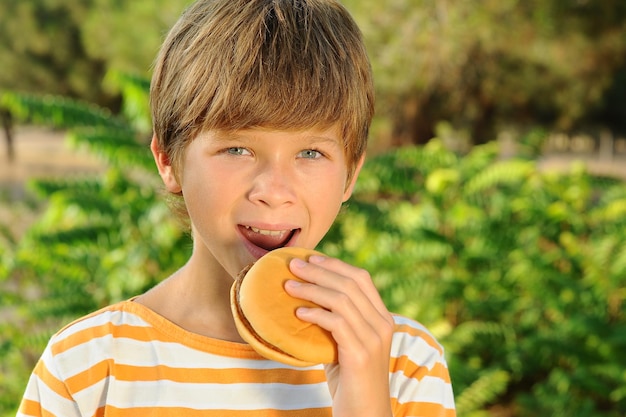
<point>265,314</point>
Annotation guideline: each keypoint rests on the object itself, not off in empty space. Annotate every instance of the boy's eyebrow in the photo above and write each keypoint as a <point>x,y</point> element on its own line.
<point>224,136</point>
<point>321,139</point>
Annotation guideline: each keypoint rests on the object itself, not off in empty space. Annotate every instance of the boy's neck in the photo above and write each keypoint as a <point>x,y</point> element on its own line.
<point>196,303</point>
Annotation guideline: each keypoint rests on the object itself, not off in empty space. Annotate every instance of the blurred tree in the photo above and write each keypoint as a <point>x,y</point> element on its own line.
<point>42,49</point>
<point>66,46</point>
<point>127,34</point>
<point>480,65</point>
<point>484,64</point>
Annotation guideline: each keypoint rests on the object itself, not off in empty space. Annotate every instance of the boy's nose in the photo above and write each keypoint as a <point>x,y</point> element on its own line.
<point>273,186</point>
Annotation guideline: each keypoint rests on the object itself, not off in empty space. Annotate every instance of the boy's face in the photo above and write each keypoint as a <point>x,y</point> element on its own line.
<point>250,191</point>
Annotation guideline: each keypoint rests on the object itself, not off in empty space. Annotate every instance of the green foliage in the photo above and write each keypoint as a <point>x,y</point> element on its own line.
<point>136,105</point>
<point>42,51</point>
<point>66,47</point>
<point>521,273</point>
<point>482,391</point>
<point>483,65</point>
<point>476,64</point>
<point>100,239</point>
<point>59,112</point>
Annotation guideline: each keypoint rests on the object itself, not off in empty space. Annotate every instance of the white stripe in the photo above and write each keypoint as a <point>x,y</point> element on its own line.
<point>140,353</point>
<point>92,398</point>
<point>402,320</point>
<point>164,393</point>
<point>55,404</point>
<point>430,389</point>
<point>416,349</point>
<point>115,317</point>
<point>175,355</point>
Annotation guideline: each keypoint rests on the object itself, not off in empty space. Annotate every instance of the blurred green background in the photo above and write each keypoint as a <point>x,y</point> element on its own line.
<point>460,215</point>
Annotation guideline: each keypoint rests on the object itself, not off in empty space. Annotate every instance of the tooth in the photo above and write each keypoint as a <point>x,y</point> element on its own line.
<point>266,232</point>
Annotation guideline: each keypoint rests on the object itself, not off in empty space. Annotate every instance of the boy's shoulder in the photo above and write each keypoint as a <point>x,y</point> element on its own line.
<point>413,339</point>
<point>419,372</point>
<point>123,313</point>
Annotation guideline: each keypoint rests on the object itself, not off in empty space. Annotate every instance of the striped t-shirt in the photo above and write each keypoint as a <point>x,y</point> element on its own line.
<point>126,360</point>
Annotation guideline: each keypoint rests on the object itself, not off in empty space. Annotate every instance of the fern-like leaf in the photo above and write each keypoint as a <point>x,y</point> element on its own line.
<point>508,172</point>
<point>482,392</point>
<point>136,104</point>
<point>118,147</point>
<point>58,112</point>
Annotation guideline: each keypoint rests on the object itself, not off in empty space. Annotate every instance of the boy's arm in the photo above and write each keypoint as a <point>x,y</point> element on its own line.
<point>419,378</point>
<point>360,324</point>
<point>46,395</point>
<point>363,329</point>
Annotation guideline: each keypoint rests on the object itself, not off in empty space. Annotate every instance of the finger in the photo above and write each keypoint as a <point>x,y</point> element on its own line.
<point>359,275</point>
<point>344,278</point>
<point>356,325</point>
<point>331,290</point>
<point>357,340</point>
<point>336,309</point>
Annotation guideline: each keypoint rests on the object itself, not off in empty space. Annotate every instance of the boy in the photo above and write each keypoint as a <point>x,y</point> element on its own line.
<point>261,110</point>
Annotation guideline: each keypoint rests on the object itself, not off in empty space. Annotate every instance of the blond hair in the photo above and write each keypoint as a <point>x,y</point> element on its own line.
<point>285,64</point>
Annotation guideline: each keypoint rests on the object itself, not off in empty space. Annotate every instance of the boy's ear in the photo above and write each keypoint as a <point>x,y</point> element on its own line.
<point>355,175</point>
<point>166,171</point>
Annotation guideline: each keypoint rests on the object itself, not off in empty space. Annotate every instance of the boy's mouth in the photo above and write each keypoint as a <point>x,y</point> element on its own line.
<point>267,239</point>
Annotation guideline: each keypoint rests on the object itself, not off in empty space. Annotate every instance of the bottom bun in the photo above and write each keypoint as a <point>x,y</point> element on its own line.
<point>265,314</point>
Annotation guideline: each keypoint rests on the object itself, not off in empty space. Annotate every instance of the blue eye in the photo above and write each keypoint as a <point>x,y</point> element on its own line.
<point>310,154</point>
<point>237,151</point>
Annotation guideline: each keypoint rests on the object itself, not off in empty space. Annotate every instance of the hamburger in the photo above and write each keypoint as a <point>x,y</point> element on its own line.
<point>265,314</point>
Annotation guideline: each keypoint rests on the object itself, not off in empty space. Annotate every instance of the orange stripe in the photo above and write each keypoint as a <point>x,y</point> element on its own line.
<point>89,377</point>
<point>421,409</point>
<point>430,340</point>
<point>413,370</point>
<point>417,409</point>
<point>30,408</point>
<point>51,381</point>
<point>33,408</point>
<point>187,412</point>
<point>141,333</point>
<point>221,376</point>
<point>105,368</point>
<point>138,333</point>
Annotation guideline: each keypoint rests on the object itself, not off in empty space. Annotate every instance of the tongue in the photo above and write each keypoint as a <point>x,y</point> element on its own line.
<point>267,242</point>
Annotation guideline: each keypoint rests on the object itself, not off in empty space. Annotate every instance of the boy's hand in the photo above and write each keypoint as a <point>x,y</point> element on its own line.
<point>355,315</point>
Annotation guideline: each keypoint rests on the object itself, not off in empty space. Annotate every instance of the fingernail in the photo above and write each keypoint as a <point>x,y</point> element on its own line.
<point>302,311</point>
<point>298,263</point>
<point>316,259</point>
<point>292,283</point>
